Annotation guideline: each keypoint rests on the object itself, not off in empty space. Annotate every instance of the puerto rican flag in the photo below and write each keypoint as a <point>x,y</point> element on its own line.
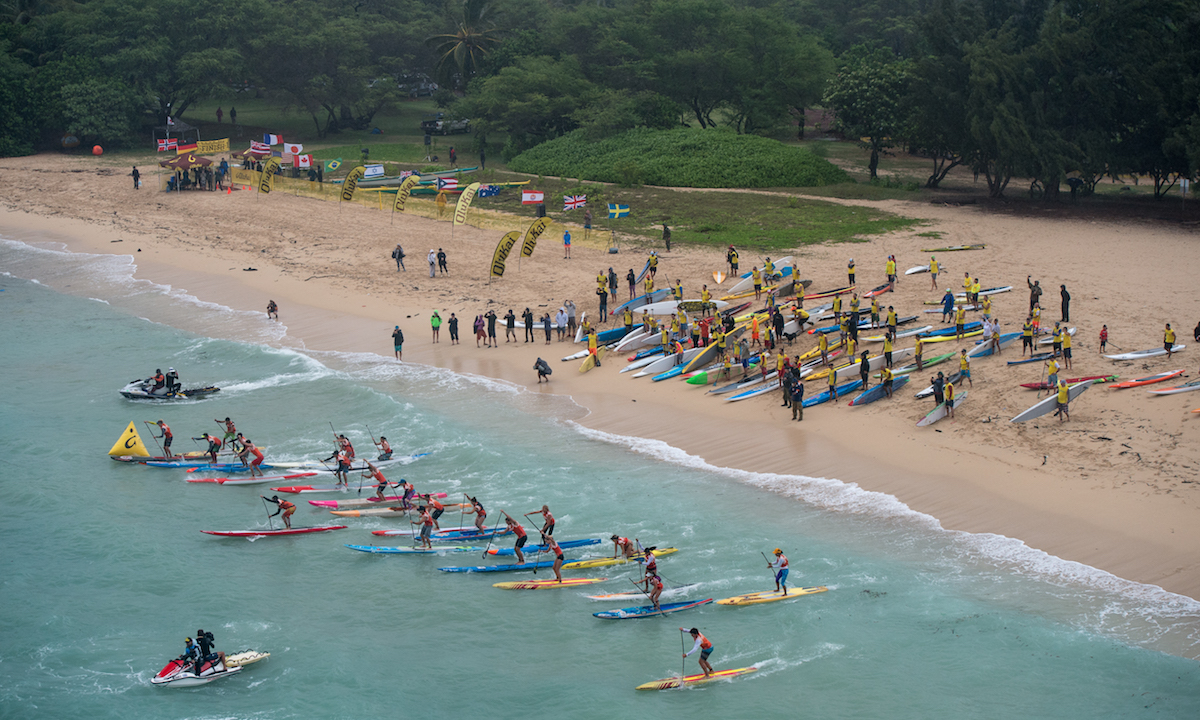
<point>447,184</point>
<point>532,197</point>
<point>259,147</point>
<point>292,148</point>
<point>302,161</point>
<point>168,144</point>
<point>574,202</point>
<point>270,139</point>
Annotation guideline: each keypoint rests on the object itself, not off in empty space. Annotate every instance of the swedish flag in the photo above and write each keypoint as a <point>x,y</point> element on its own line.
<point>616,211</point>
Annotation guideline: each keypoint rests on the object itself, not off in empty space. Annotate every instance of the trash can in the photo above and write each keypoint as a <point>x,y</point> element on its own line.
<point>541,210</point>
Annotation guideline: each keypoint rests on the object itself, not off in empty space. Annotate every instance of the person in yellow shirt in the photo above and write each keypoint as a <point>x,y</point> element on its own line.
<point>726,368</point>
<point>721,338</point>
<point>917,352</point>
<point>891,272</point>
<point>967,286</point>
<point>627,317</point>
<point>833,386</point>
<point>677,291</point>
<point>887,349</point>
<point>1066,348</point>
<point>886,377</point>
<point>1027,336</point>
<point>1064,398</point>
<point>592,347</point>
<point>933,272</point>
<point>664,339</point>
<point>949,390</point>
<point>1052,372</point>
<point>996,337</point>
<point>854,303</point>
<point>837,308</point>
<point>1036,316</point>
<point>823,345</point>
<point>705,298</point>
<point>850,272</point>
<point>875,312</point>
<point>756,275</point>
<point>850,346</point>
<point>891,320</point>
<point>754,339</point>
<point>1169,340</point>
<point>649,284</point>
<point>964,368</point>
<point>975,287</point>
<point>987,307</point>
<point>960,319</point>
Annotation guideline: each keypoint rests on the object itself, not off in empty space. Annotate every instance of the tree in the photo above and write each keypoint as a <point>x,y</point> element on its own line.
<point>865,96</point>
<point>465,48</point>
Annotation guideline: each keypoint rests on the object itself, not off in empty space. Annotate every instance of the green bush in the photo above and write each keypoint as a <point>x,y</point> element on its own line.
<point>679,158</point>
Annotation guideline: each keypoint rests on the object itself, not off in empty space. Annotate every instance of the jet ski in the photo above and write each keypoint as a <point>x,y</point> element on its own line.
<point>181,672</point>
<point>144,390</point>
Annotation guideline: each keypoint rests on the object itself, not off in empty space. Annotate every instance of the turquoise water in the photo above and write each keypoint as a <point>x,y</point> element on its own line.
<point>104,570</point>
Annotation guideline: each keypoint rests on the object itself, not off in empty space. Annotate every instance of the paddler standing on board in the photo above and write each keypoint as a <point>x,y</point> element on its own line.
<point>656,588</point>
<point>255,464</point>
<point>515,528</point>
<point>342,473</point>
<point>547,519</point>
<point>553,547</point>
<point>214,445</point>
<point>780,565</point>
<point>426,522</point>
<point>346,447</point>
<point>438,509</point>
<point>166,436</point>
<point>385,450</point>
<point>381,482</point>
<point>230,430</point>
<point>288,509</point>
<point>480,513</point>
<point>704,645</point>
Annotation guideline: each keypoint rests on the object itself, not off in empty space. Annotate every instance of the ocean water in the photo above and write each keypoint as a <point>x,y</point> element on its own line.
<point>104,569</point>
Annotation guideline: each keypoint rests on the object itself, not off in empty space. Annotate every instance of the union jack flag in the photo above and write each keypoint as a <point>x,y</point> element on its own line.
<point>447,184</point>
<point>168,144</point>
<point>574,202</point>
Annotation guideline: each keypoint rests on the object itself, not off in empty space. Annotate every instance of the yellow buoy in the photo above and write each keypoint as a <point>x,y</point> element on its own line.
<point>130,443</point>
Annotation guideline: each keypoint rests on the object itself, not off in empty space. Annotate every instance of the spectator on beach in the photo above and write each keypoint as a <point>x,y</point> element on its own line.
<point>397,334</point>
<point>398,256</point>
<point>441,259</point>
<point>137,178</point>
<point>546,326</point>
<point>480,333</point>
<point>452,323</point>
<point>453,156</point>
<point>571,326</point>
<point>631,278</point>
<point>435,322</point>
<point>490,316</point>
<point>527,318</point>
<point>560,323</point>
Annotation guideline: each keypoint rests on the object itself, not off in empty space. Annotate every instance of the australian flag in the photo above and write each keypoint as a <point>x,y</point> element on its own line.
<point>574,202</point>
<point>488,191</point>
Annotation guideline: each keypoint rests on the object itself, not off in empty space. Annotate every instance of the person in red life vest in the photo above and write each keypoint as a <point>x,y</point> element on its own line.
<point>214,445</point>
<point>385,450</point>
<point>160,380</point>
<point>426,522</point>
<point>343,467</point>
<point>288,509</point>
<point>704,645</point>
<point>781,565</point>
<point>480,513</point>
<point>255,470</point>
<point>346,447</point>
<point>519,531</point>
<point>656,588</point>
<point>553,547</point>
<point>167,437</point>
<point>438,509</point>
<point>548,524</point>
<point>230,430</point>
<point>381,482</point>
<point>651,564</point>
<point>622,546</point>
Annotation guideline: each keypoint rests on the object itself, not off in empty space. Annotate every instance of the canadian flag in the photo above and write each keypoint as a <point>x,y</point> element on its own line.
<point>532,197</point>
<point>302,161</point>
<point>292,148</point>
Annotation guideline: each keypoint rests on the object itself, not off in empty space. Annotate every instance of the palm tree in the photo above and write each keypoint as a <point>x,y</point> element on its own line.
<point>472,39</point>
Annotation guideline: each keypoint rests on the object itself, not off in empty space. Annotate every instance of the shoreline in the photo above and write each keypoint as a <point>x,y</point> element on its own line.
<point>1088,503</point>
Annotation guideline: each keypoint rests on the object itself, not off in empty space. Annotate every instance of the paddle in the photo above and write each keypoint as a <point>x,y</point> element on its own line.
<point>760,552</point>
<point>267,509</point>
<point>657,606</point>
<point>149,426</point>
<point>493,535</point>
<point>683,662</point>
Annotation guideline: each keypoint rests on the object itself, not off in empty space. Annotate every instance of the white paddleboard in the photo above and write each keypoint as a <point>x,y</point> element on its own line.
<point>1050,403</point>
<point>940,411</point>
<point>1153,352</point>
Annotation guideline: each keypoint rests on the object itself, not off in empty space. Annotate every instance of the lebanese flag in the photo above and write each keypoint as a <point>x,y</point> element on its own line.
<point>292,148</point>
<point>270,139</point>
<point>532,197</point>
<point>302,161</point>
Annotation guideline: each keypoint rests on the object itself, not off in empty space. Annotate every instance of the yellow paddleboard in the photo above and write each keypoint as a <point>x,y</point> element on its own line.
<point>951,338</point>
<point>607,562</point>
<point>700,679</point>
<point>767,596</point>
<point>546,584</point>
<point>590,362</point>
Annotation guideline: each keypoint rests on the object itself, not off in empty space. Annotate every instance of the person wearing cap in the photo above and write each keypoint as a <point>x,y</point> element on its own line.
<point>167,437</point>
<point>172,380</point>
<point>398,342</point>
<point>780,564</point>
<point>285,507</point>
<point>191,655</point>
<point>622,546</point>
<point>432,258</point>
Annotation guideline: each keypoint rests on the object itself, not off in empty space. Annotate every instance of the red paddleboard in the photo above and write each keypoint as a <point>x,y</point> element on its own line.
<point>1046,386</point>
<point>250,480</point>
<point>269,533</point>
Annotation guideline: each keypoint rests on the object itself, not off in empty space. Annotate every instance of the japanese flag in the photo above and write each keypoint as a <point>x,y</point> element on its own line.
<point>292,148</point>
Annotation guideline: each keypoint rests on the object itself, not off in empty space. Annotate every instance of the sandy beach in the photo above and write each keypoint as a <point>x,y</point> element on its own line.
<point>1115,488</point>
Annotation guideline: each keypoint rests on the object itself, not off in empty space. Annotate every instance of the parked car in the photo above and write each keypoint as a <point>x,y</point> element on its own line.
<point>439,124</point>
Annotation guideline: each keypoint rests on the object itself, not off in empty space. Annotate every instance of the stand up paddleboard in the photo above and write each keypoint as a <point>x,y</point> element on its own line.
<point>689,680</point>
<point>273,533</point>
<point>646,611</point>
<point>767,596</point>
<point>1050,403</point>
<point>547,584</point>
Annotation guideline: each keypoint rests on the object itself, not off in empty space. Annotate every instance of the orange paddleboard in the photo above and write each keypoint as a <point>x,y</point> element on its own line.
<point>718,276</point>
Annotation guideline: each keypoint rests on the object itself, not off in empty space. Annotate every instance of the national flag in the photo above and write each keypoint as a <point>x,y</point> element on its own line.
<point>617,211</point>
<point>488,191</point>
<point>270,139</point>
<point>302,161</point>
<point>293,148</point>
<point>259,147</point>
<point>532,197</point>
<point>164,145</point>
<point>170,121</point>
<point>447,184</point>
<point>185,148</point>
<point>405,173</point>
<point>331,165</point>
<point>574,202</point>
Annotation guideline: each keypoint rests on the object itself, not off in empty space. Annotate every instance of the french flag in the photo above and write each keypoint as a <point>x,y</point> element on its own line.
<point>272,139</point>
